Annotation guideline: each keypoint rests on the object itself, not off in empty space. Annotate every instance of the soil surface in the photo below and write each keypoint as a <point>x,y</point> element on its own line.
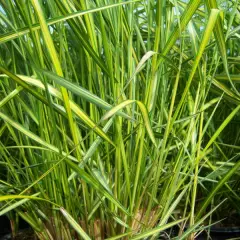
<point>26,234</point>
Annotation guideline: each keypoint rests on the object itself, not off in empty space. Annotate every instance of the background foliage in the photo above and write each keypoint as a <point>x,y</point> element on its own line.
<point>119,119</point>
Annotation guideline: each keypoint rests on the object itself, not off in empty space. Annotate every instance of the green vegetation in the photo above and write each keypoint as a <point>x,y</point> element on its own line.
<point>119,119</point>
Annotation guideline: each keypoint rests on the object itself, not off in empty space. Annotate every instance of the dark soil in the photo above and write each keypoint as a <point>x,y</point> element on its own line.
<point>4,226</point>
<point>230,222</point>
<point>26,234</point>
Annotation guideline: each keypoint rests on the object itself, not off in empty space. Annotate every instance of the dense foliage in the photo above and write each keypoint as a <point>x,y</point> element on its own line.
<point>119,119</point>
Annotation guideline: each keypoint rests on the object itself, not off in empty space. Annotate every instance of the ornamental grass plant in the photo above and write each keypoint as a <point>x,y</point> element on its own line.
<point>119,119</point>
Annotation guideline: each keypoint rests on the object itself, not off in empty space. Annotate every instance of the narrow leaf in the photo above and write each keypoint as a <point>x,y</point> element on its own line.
<point>157,229</point>
<point>144,112</point>
<point>10,197</point>
<point>74,224</point>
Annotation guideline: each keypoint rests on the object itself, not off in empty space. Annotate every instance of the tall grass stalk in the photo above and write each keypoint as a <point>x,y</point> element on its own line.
<point>118,119</point>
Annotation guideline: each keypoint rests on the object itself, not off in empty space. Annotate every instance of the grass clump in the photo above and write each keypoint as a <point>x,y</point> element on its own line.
<point>118,119</point>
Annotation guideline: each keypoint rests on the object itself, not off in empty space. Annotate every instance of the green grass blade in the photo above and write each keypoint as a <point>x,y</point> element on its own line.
<point>15,205</point>
<point>222,126</point>
<point>87,95</point>
<point>144,112</point>
<point>33,136</point>
<point>74,107</point>
<point>19,32</point>
<point>86,177</point>
<point>157,230</point>
<point>10,96</point>
<point>74,224</point>
<point>190,230</point>
<point>173,206</point>
<point>58,68</point>
<point>119,236</point>
<point>28,88</point>
<point>206,37</point>
<point>235,78</point>
<point>220,38</point>
<point>10,197</point>
<point>220,184</point>
<point>185,18</point>
<point>92,149</point>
